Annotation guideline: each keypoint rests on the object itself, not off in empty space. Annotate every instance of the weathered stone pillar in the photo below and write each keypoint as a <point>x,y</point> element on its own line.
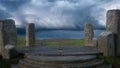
<point>30,34</point>
<point>89,34</point>
<point>113,25</point>
<point>106,44</point>
<point>9,32</point>
<point>2,44</point>
<point>8,36</point>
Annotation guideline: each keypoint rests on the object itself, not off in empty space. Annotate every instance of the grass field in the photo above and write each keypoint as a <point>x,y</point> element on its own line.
<point>52,42</point>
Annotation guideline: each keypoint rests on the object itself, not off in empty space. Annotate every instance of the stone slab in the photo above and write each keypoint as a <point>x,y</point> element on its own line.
<point>8,36</point>
<point>29,64</point>
<point>55,49</point>
<point>113,25</point>
<point>30,34</point>
<point>89,34</point>
<point>106,44</point>
<point>61,58</point>
<point>9,32</point>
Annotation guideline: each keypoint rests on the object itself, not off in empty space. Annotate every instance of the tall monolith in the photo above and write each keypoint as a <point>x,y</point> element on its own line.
<point>30,34</point>
<point>89,34</point>
<point>106,44</point>
<point>8,38</point>
<point>113,25</point>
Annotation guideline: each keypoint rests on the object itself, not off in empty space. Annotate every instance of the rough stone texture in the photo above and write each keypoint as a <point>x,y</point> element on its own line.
<point>106,43</point>
<point>9,52</point>
<point>89,34</point>
<point>30,34</point>
<point>113,25</point>
<point>10,32</point>
<point>8,36</point>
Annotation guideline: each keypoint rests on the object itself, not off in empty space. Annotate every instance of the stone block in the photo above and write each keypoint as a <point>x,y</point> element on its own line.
<point>8,35</point>
<point>9,52</point>
<point>106,44</point>
<point>9,31</point>
<point>30,34</point>
<point>113,25</point>
<point>89,34</point>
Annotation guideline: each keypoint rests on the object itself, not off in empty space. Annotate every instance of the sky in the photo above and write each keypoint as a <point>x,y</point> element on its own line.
<point>53,14</point>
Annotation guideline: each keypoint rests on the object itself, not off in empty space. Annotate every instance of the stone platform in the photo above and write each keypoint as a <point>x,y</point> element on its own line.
<point>61,57</point>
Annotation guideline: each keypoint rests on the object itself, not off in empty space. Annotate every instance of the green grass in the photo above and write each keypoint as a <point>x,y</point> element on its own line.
<point>52,42</point>
<point>20,41</point>
<point>63,42</point>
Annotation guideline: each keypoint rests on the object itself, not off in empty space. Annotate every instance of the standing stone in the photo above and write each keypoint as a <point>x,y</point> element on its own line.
<point>2,44</point>
<point>113,25</point>
<point>89,34</point>
<point>30,34</point>
<point>8,36</point>
<point>106,44</point>
<point>9,31</point>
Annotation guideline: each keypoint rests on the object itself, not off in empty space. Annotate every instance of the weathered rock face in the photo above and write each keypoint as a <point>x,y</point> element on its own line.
<point>106,44</point>
<point>30,34</point>
<point>89,34</point>
<point>8,36</point>
<point>113,25</point>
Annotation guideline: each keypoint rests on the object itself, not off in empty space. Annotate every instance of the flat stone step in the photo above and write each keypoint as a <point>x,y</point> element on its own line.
<point>61,53</point>
<point>49,49</point>
<point>28,64</point>
<point>61,58</point>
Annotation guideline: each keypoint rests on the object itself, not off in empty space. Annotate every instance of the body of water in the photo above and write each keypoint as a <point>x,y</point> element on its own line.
<point>70,34</point>
<point>64,34</point>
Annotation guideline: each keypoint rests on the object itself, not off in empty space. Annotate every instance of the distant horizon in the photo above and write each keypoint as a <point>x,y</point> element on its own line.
<point>22,30</point>
<point>68,34</point>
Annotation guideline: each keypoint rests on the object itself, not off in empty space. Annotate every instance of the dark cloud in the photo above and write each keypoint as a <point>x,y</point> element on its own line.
<point>13,5</point>
<point>4,15</point>
<point>57,13</point>
<point>10,8</point>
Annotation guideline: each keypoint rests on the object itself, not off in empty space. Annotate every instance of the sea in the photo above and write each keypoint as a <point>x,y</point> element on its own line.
<point>68,34</point>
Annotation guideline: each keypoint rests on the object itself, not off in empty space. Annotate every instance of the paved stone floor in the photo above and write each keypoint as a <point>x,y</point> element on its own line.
<point>56,49</point>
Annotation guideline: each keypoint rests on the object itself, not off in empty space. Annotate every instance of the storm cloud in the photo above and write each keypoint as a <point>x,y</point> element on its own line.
<point>57,13</point>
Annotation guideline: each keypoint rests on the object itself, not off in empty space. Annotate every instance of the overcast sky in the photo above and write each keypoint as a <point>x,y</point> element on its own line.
<point>57,13</point>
